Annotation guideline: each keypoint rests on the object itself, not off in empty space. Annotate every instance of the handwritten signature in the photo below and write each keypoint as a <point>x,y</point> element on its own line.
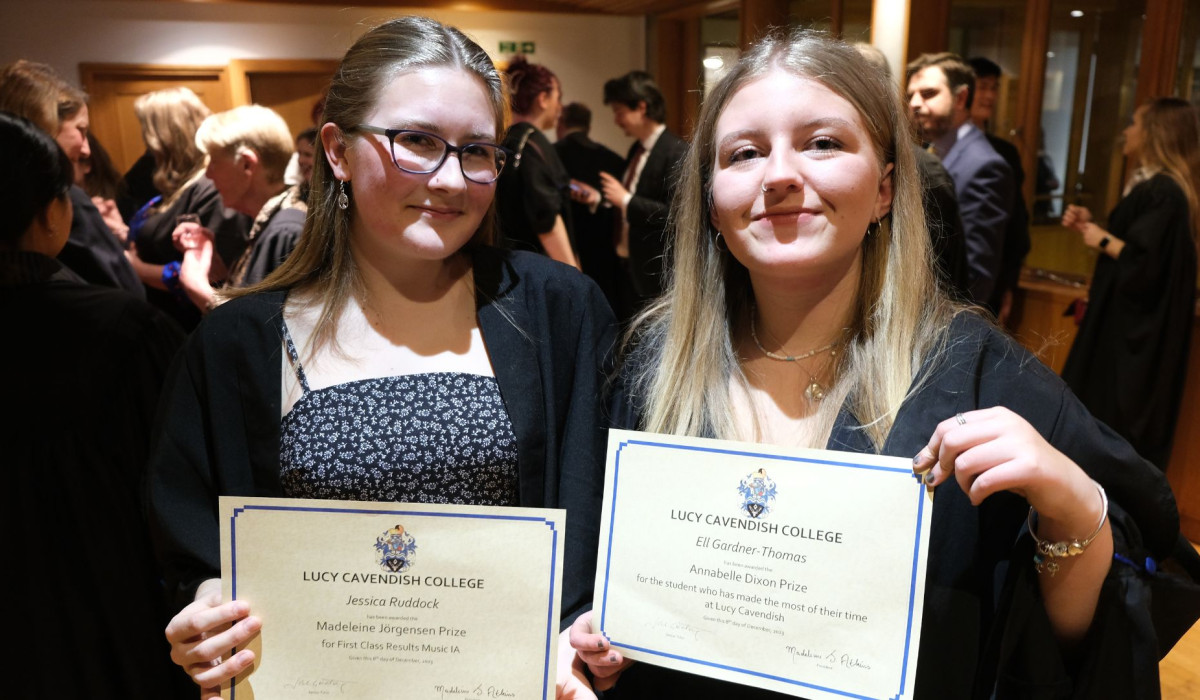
<point>681,629</point>
<point>479,691</point>
<point>319,686</point>
<point>826,660</point>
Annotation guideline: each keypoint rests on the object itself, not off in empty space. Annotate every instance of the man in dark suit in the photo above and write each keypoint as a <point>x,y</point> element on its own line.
<point>1016,236</point>
<point>940,89</point>
<point>642,195</point>
<point>584,160</point>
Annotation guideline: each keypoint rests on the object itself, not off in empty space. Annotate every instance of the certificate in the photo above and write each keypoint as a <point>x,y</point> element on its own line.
<point>799,571</point>
<point>387,600</point>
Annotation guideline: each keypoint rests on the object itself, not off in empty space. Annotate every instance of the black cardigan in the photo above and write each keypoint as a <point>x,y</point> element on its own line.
<point>548,331</point>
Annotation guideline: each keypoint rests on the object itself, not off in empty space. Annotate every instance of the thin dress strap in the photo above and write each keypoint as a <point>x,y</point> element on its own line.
<point>294,356</point>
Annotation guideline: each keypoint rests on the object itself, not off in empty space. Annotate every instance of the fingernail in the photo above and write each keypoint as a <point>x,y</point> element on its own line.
<point>928,478</point>
<point>612,658</point>
<point>600,644</point>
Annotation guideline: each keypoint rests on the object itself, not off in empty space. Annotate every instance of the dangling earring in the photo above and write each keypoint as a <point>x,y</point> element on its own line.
<point>719,242</point>
<point>343,200</point>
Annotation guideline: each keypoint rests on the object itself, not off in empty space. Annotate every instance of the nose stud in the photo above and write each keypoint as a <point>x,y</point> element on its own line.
<point>763,187</point>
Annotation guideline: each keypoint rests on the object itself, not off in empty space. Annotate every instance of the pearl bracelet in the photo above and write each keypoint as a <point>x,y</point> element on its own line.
<point>1047,552</point>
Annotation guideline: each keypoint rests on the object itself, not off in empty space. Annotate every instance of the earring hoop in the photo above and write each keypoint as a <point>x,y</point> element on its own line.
<point>343,200</point>
<point>720,244</point>
<point>873,228</point>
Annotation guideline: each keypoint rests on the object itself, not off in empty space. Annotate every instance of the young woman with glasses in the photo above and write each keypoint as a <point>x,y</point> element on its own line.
<point>392,306</point>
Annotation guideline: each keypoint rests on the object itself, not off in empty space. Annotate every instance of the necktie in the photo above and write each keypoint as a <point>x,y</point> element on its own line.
<point>621,229</point>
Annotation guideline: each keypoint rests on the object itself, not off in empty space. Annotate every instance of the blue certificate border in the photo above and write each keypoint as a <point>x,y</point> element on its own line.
<point>551,628</point>
<point>912,589</point>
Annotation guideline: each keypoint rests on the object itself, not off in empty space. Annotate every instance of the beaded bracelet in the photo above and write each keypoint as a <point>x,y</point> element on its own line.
<point>1047,552</point>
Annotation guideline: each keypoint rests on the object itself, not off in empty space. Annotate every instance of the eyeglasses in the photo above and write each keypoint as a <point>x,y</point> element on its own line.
<point>421,153</point>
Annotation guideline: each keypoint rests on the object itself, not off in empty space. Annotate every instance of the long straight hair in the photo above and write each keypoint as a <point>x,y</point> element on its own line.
<point>684,342</point>
<point>1172,143</point>
<point>322,265</point>
<point>169,119</point>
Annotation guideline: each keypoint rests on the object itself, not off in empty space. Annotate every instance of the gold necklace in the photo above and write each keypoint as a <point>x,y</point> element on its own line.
<point>815,391</point>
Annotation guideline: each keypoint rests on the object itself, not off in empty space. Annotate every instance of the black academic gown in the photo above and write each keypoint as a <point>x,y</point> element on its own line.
<point>81,367</point>
<point>1129,359</point>
<point>548,332</point>
<point>985,633</point>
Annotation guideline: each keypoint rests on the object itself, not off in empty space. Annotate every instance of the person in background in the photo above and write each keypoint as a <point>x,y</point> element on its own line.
<point>248,149</point>
<point>584,160</point>
<point>169,120</point>
<point>940,89</point>
<point>803,311</point>
<point>1130,357</point>
<point>34,91</point>
<point>532,198</point>
<point>306,144</point>
<point>460,372</point>
<point>1016,234</point>
<point>642,195</point>
<point>948,241</point>
<point>104,185</point>
<point>81,367</point>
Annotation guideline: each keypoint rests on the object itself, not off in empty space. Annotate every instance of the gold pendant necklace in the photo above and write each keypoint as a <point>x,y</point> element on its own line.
<point>815,391</point>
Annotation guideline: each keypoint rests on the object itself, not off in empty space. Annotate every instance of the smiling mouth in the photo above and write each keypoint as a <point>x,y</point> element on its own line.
<point>438,211</point>
<point>782,215</point>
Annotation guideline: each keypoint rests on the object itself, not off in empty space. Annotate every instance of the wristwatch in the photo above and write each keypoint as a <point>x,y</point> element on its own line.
<point>1105,241</point>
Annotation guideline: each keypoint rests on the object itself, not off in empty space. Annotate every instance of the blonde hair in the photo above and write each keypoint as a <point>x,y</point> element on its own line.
<point>1172,144</point>
<point>685,340</point>
<point>169,120</point>
<point>322,264</point>
<point>254,127</point>
<point>34,91</point>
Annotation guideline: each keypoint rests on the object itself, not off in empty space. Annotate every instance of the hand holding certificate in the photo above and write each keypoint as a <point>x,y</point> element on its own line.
<point>382,600</point>
<point>799,571</point>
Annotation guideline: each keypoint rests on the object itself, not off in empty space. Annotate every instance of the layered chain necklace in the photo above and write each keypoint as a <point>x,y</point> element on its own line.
<point>815,391</point>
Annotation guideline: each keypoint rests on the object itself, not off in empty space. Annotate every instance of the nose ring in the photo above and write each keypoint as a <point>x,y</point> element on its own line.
<point>763,187</point>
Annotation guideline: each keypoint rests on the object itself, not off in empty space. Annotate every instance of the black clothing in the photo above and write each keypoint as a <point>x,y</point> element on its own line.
<point>154,244</point>
<point>531,194</point>
<point>945,225</point>
<point>548,332</point>
<point>1016,234</point>
<point>1130,357</point>
<point>984,632</point>
<point>81,369</point>
<point>584,160</point>
<point>274,235</point>
<point>438,437</point>
<point>139,181</point>
<point>647,214</point>
<point>93,252</point>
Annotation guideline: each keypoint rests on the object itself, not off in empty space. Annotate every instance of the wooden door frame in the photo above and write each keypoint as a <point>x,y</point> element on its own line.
<point>240,70</point>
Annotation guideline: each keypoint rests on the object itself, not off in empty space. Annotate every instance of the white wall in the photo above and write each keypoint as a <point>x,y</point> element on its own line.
<point>583,50</point>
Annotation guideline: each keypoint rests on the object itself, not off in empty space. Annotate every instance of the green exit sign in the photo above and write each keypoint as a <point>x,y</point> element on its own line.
<point>525,47</point>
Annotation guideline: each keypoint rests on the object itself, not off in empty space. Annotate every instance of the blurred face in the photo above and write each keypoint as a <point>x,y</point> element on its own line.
<point>231,175</point>
<point>630,121</point>
<point>553,107</point>
<point>1135,135</point>
<point>305,152</point>
<point>72,137</point>
<point>931,102</point>
<point>796,179</point>
<point>398,215</point>
<point>987,90</point>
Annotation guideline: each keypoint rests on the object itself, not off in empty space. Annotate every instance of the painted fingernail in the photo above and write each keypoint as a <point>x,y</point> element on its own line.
<point>600,644</point>
<point>928,477</point>
<point>612,658</point>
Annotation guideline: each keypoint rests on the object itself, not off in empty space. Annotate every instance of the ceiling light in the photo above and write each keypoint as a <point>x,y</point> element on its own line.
<point>714,63</point>
<point>1076,13</point>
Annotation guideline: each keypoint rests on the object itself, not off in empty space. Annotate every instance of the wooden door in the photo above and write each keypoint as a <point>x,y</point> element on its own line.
<point>290,87</point>
<point>114,87</point>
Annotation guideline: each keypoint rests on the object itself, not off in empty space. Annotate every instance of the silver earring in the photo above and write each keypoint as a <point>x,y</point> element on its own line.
<point>872,228</point>
<point>763,187</point>
<point>719,242</point>
<point>343,200</point>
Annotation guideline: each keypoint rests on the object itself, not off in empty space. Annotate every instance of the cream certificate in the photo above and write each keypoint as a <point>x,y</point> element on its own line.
<point>798,571</point>
<point>390,600</point>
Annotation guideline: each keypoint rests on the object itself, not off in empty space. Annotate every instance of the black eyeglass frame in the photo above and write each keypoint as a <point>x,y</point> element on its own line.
<point>391,134</point>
